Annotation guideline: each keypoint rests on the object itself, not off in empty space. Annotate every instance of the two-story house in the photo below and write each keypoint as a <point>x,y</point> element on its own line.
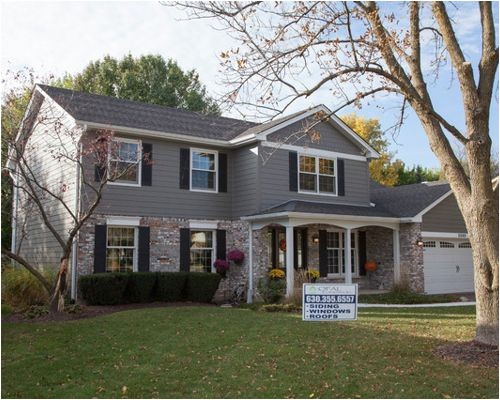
<point>286,198</point>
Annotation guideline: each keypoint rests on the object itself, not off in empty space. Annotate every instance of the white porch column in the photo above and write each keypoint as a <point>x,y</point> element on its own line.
<point>348,261</point>
<point>290,278</point>
<point>396,256</point>
<point>250,264</point>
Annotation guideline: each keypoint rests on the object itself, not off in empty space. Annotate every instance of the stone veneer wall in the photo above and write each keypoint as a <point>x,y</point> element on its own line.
<point>379,248</point>
<point>412,256</point>
<point>165,245</point>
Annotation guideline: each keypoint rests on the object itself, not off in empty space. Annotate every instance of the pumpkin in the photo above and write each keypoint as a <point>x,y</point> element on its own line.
<point>370,266</point>
<point>283,245</point>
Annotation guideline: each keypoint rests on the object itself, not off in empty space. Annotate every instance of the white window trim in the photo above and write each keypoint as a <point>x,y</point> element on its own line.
<point>216,170</point>
<point>123,221</point>
<point>136,245</point>
<point>214,247</point>
<point>317,174</point>
<point>203,225</point>
<point>139,162</point>
<point>354,260</point>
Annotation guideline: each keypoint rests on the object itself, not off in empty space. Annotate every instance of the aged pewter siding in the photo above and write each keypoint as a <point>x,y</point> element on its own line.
<point>445,217</point>
<point>34,240</point>
<point>164,198</point>
<point>328,138</point>
<point>274,183</point>
<point>244,173</point>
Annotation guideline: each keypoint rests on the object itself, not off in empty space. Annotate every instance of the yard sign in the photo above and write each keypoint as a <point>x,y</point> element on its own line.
<point>329,302</point>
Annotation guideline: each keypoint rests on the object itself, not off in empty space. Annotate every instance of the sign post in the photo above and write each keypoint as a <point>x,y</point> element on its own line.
<point>329,302</point>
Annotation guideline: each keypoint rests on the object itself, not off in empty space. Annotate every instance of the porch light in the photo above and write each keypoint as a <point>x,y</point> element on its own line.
<point>315,239</point>
<point>420,243</point>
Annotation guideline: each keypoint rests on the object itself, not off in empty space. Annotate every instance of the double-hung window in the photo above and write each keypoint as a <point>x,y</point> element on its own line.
<point>124,162</point>
<point>202,251</point>
<point>121,250</point>
<point>317,175</point>
<point>204,170</point>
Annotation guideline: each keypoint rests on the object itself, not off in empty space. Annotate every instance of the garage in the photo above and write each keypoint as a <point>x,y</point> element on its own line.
<point>448,266</point>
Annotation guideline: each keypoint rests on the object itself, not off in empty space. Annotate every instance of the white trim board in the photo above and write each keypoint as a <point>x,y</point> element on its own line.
<point>448,235</point>
<point>123,221</point>
<point>308,151</point>
<point>200,224</point>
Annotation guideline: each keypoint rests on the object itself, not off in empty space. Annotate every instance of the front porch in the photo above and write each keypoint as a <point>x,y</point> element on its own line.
<point>337,246</point>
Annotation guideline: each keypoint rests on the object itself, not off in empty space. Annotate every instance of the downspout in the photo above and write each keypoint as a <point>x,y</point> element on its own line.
<point>74,247</point>
<point>250,264</point>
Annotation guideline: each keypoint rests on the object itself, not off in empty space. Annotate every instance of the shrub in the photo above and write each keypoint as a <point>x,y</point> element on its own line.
<point>170,285</point>
<point>281,308</point>
<point>201,286</point>
<point>104,289</point>
<point>20,289</point>
<point>140,287</point>
<point>6,309</point>
<point>36,312</point>
<point>272,290</point>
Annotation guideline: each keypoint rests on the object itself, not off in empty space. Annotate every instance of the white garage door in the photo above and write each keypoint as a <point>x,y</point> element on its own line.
<point>448,266</point>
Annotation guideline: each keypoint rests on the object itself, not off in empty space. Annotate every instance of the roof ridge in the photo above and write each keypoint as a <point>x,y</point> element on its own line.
<point>159,106</point>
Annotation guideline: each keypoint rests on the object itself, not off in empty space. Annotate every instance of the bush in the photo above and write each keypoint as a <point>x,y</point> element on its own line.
<point>140,287</point>
<point>36,312</point>
<point>170,286</point>
<point>104,289</point>
<point>272,290</point>
<point>281,308</point>
<point>201,286</point>
<point>20,289</point>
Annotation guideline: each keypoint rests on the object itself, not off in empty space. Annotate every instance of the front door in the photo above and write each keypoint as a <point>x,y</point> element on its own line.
<point>278,247</point>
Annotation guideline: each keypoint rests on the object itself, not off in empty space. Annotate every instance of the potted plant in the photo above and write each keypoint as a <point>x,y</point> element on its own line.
<point>276,274</point>
<point>236,256</point>
<point>221,266</point>
<point>312,275</point>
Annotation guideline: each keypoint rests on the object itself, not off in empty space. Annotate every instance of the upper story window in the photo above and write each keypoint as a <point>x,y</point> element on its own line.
<point>204,170</point>
<point>124,162</point>
<point>317,175</point>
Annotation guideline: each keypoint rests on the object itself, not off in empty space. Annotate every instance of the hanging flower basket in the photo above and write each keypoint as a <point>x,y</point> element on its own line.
<point>236,256</point>
<point>370,266</point>
<point>221,266</point>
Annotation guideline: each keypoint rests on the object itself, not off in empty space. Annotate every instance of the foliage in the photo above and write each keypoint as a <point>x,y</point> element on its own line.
<point>140,287</point>
<point>406,297</point>
<point>170,286</point>
<point>6,309</point>
<point>104,288</point>
<point>201,286</point>
<point>36,311</point>
<point>276,273</point>
<point>73,309</point>
<point>312,274</point>
<point>221,266</point>
<point>416,174</point>
<point>272,290</point>
<point>148,78</point>
<point>236,256</point>
<point>289,307</point>
<point>174,352</point>
<point>20,289</point>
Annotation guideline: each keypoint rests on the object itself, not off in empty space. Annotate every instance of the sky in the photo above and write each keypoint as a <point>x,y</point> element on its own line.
<point>63,37</point>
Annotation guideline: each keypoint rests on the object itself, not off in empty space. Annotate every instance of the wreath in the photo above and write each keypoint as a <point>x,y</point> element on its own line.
<point>283,245</point>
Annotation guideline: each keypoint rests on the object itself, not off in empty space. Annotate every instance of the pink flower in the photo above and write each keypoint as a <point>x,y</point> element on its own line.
<point>236,256</point>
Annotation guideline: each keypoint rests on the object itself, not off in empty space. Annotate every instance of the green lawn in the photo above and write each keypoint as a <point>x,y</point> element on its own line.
<point>214,352</point>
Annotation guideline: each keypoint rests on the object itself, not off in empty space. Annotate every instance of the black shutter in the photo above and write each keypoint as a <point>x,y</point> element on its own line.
<point>143,257</point>
<point>323,255</point>
<point>99,172</point>
<point>222,172</point>
<point>340,177</point>
<point>221,244</point>
<point>185,245</point>
<point>147,164</point>
<point>100,248</point>
<point>274,247</point>
<point>292,166</point>
<point>184,169</point>
<point>304,248</point>
<point>362,252</point>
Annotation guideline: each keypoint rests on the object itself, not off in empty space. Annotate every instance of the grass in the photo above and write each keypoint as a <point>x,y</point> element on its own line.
<point>6,309</point>
<point>234,353</point>
<point>406,297</point>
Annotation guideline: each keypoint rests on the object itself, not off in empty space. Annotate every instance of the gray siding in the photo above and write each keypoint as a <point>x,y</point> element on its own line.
<point>47,150</point>
<point>164,198</point>
<point>244,176</point>
<point>323,136</point>
<point>274,183</point>
<point>445,217</point>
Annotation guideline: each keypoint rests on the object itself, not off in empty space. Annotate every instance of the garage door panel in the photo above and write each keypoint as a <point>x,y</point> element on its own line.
<point>440,267</point>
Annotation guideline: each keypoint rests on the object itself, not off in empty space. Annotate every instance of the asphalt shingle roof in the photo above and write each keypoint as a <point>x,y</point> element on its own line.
<point>131,114</point>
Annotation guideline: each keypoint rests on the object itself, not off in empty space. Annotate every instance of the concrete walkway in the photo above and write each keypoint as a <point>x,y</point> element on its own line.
<point>454,304</point>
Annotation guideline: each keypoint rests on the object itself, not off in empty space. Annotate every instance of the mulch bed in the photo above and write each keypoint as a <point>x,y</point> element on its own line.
<point>472,353</point>
<point>95,311</point>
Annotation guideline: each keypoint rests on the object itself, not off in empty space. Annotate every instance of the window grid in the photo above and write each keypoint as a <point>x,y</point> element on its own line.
<point>430,243</point>
<point>202,251</point>
<point>124,161</point>
<point>465,245</point>
<point>202,171</point>
<point>446,245</point>
<point>120,249</point>
<point>317,175</point>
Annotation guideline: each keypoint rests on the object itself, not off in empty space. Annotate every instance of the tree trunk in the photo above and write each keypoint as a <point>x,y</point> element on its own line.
<point>57,300</point>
